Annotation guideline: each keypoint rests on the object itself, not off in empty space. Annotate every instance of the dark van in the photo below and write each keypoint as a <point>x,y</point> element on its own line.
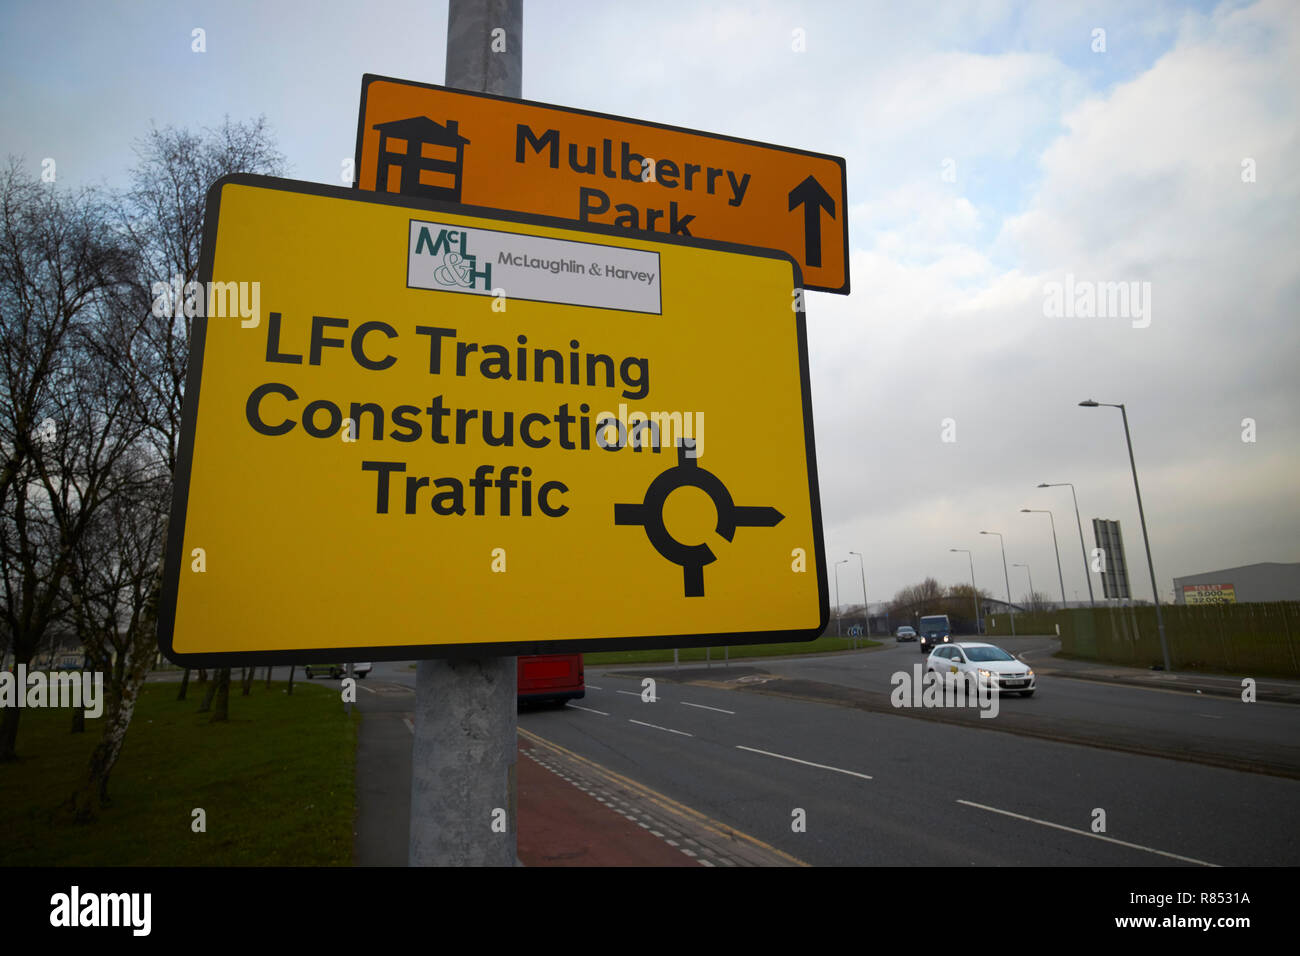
<point>934,630</point>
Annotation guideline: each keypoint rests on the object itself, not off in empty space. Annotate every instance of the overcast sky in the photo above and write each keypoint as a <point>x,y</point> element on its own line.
<point>991,151</point>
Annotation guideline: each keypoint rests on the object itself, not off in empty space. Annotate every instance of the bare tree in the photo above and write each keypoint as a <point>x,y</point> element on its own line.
<point>162,214</point>
<point>162,217</point>
<point>221,710</point>
<point>61,433</point>
<point>923,598</point>
<point>1038,601</point>
<point>113,582</point>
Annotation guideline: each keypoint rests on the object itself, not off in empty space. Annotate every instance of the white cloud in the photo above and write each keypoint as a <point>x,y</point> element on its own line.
<point>1142,183</point>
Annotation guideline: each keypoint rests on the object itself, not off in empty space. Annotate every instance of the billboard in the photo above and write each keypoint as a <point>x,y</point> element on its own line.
<point>1113,568</point>
<point>1209,594</point>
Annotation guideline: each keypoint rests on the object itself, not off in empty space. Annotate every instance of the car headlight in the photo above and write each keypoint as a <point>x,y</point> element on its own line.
<point>1029,672</point>
<point>985,673</point>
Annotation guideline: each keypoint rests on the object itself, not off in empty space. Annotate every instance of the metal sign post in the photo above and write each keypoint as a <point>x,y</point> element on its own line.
<point>463,752</point>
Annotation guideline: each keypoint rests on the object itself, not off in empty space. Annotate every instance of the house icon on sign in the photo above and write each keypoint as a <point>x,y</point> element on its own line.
<point>419,157</point>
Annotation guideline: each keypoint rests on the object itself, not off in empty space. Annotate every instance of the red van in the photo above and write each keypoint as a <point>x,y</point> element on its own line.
<point>551,678</point>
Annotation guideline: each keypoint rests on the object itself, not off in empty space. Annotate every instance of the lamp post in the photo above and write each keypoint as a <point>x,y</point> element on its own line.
<point>1032,601</point>
<point>866,613</point>
<point>1151,568</point>
<point>1082,548</point>
<point>1007,578</point>
<point>1055,547</point>
<point>975,595</point>
<point>838,628</point>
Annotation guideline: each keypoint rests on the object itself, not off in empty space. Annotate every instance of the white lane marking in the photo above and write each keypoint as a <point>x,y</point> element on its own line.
<point>367,689</point>
<point>657,727</point>
<point>594,687</point>
<point>808,763</point>
<point>630,693</point>
<point>1211,716</point>
<point>589,710</point>
<point>410,724</point>
<point>1096,836</point>
<point>707,707</point>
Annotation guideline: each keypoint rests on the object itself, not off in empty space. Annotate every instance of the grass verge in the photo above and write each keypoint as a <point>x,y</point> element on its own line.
<point>276,782</point>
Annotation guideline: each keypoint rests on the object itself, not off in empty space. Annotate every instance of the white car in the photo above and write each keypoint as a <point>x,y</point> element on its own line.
<point>986,663</point>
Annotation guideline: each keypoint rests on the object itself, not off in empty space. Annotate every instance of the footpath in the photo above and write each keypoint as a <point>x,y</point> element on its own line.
<point>571,811</point>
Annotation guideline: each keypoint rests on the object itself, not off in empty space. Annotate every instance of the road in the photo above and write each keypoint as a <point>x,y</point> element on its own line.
<point>1219,730</point>
<point>881,789</point>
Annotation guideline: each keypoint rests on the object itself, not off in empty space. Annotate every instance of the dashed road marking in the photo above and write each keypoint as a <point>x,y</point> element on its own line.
<point>808,763</point>
<point>707,707</point>
<point>657,727</point>
<point>1087,833</point>
<point>589,710</point>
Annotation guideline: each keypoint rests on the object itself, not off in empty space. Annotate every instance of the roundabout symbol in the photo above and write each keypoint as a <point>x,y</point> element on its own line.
<point>650,515</point>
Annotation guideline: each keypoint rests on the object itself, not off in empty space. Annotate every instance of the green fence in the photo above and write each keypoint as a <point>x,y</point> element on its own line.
<point>1255,640</point>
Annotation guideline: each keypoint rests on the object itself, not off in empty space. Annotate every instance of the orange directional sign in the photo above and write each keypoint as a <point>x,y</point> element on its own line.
<point>430,142</point>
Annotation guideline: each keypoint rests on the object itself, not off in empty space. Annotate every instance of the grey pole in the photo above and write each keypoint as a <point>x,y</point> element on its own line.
<point>975,594</point>
<point>1031,581</point>
<point>1007,578</point>
<point>838,629</point>
<point>1057,548</point>
<point>475,58</point>
<point>463,751</point>
<point>866,608</point>
<point>1083,549</point>
<point>1151,568</point>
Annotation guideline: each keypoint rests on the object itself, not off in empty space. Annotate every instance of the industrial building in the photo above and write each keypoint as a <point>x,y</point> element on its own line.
<point>1267,581</point>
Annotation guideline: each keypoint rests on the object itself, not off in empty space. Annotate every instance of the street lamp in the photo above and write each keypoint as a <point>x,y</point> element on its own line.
<point>975,595</point>
<point>1151,568</point>
<point>1007,578</point>
<point>1056,547</point>
<point>839,631</point>
<point>1082,548</point>
<point>1032,600</point>
<point>866,614</point>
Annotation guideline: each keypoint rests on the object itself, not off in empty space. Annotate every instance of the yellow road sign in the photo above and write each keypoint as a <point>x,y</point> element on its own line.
<point>431,142</point>
<point>440,429</point>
